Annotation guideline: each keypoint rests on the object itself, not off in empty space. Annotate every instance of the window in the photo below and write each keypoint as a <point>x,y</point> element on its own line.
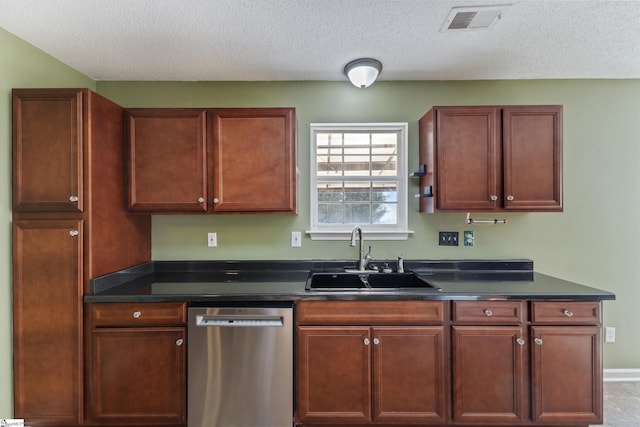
<point>359,177</point>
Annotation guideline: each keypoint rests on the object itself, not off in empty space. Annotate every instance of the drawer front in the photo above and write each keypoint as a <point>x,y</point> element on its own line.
<point>370,312</point>
<point>566,312</point>
<point>489,312</point>
<point>139,314</point>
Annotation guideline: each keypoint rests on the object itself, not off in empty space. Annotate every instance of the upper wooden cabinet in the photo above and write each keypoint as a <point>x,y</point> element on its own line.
<point>493,158</point>
<point>215,160</point>
<point>254,160</point>
<point>47,150</point>
<point>167,159</point>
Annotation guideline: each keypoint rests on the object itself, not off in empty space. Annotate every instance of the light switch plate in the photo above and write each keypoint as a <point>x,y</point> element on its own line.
<point>212,240</point>
<point>610,334</point>
<point>296,239</point>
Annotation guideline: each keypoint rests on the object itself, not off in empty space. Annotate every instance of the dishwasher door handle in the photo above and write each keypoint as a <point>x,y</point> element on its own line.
<point>244,321</point>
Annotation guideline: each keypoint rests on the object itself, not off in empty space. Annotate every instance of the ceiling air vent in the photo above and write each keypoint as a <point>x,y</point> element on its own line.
<point>473,18</point>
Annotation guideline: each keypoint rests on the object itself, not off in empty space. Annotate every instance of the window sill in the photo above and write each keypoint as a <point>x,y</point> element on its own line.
<point>369,234</point>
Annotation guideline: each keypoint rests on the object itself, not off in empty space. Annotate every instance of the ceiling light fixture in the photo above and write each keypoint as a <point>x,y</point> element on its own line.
<point>363,72</point>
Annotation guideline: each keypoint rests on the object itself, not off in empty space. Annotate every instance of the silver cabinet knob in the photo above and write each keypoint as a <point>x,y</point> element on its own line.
<point>510,197</point>
<point>200,199</point>
<point>137,314</point>
<point>366,341</point>
<point>73,233</point>
<point>488,312</point>
<point>376,341</point>
<point>73,198</point>
<point>179,342</point>
<point>215,200</point>
<point>538,341</point>
<point>494,197</point>
<point>520,341</point>
<point>568,313</point>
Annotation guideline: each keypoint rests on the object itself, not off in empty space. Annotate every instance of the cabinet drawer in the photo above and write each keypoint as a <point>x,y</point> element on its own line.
<point>583,312</point>
<point>492,312</point>
<point>139,314</point>
<point>370,312</point>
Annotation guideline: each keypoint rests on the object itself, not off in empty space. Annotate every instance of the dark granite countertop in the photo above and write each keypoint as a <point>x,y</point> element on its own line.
<point>268,281</point>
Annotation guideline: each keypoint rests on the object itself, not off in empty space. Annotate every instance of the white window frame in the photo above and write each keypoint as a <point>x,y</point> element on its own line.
<point>397,231</point>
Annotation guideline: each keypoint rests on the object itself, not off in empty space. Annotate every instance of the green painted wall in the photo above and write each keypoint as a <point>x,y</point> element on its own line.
<point>592,242</point>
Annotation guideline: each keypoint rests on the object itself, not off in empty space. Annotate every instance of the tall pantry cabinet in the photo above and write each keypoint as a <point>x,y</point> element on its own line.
<point>69,224</point>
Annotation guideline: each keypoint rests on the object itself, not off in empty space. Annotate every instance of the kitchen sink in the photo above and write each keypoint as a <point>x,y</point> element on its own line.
<point>365,281</point>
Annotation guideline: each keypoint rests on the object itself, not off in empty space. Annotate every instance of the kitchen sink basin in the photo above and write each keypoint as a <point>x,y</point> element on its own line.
<point>365,281</point>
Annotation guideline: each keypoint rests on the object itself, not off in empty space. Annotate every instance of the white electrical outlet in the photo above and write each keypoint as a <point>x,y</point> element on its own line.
<point>610,334</point>
<point>296,239</point>
<point>212,240</point>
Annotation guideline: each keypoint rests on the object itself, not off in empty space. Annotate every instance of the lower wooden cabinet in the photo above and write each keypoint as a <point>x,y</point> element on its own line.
<point>334,374</point>
<point>408,374</point>
<point>488,363</point>
<point>47,320</point>
<point>567,374</point>
<point>566,362</point>
<point>488,374</point>
<point>370,373</point>
<point>138,364</point>
<point>395,363</point>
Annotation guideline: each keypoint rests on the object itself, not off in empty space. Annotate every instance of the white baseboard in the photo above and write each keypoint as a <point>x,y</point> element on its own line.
<point>611,375</point>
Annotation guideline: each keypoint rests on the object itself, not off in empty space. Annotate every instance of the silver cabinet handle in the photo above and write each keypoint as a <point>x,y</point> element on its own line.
<point>200,199</point>
<point>520,341</point>
<point>488,312</point>
<point>137,314</point>
<point>215,200</point>
<point>73,198</point>
<point>366,341</point>
<point>179,342</point>
<point>494,197</point>
<point>73,233</point>
<point>510,197</point>
<point>568,313</point>
<point>538,341</point>
<point>376,341</point>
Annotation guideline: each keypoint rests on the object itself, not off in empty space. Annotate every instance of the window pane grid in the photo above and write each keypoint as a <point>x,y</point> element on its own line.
<point>359,178</point>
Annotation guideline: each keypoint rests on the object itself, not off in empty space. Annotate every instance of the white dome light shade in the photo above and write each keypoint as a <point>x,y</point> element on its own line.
<point>363,72</point>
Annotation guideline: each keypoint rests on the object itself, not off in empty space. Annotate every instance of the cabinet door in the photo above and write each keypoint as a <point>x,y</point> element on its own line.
<point>167,155</point>
<point>254,160</point>
<point>409,374</point>
<point>47,150</point>
<point>567,374</point>
<point>138,375</point>
<point>532,145</point>
<point>333,374</point>
<point>47,316</point>
<point>469,163</point>
<point>488,374</point>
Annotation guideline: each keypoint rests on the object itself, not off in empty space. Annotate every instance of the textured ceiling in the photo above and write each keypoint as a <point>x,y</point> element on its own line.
<point>265,40</point>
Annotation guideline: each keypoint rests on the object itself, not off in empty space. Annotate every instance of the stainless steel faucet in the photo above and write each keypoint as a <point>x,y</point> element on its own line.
<point>363,259</point>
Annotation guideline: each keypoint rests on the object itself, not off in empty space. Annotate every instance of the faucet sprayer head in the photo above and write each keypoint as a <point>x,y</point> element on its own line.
<point>353,235</point>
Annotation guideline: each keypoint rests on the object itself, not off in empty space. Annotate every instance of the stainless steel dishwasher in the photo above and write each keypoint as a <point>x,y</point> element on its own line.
<point>240,371</point>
